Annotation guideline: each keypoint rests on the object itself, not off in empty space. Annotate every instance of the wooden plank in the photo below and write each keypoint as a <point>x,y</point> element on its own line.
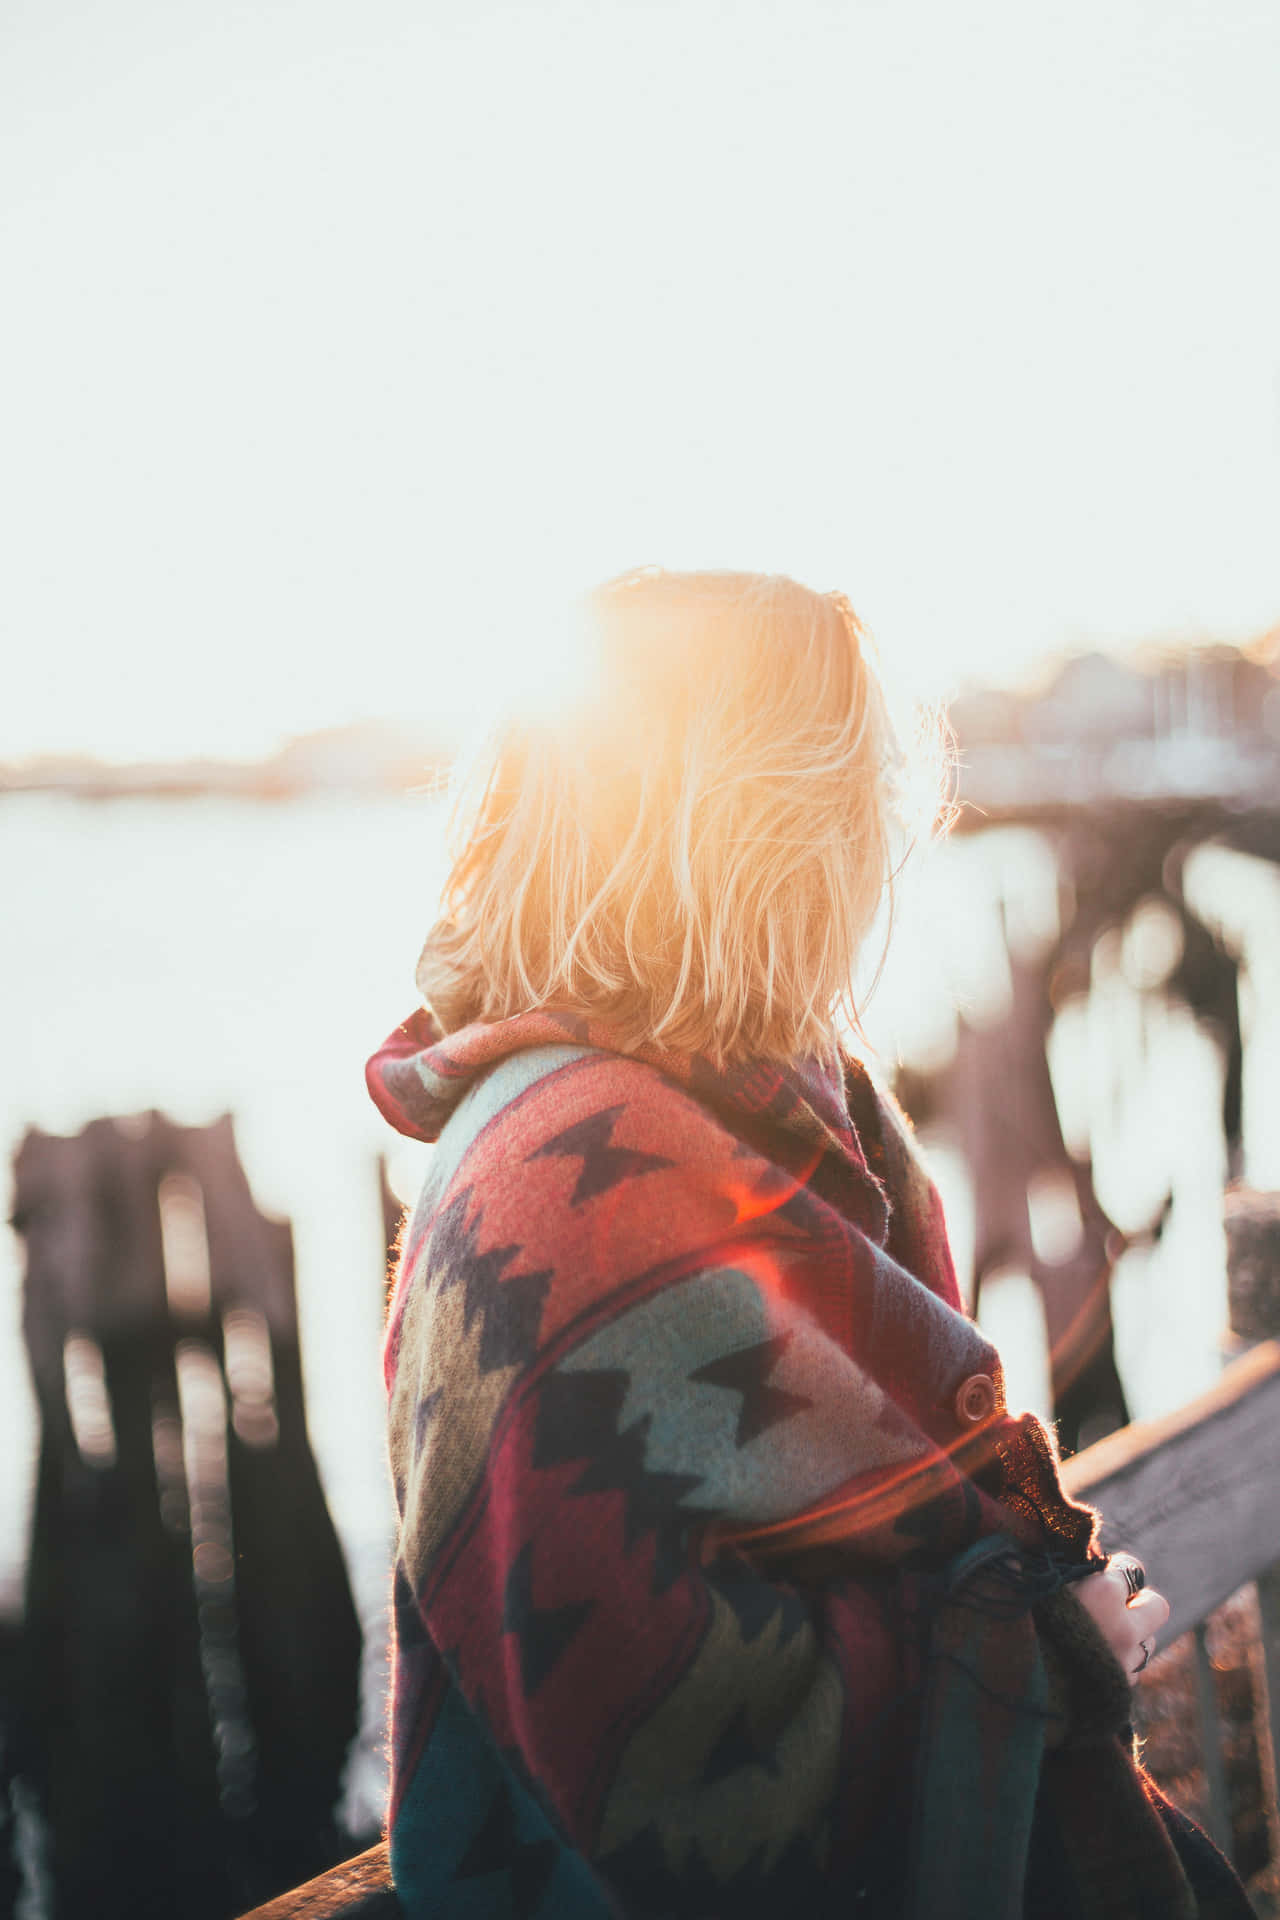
<point>359,1889</point>
<point>1195,1495</point>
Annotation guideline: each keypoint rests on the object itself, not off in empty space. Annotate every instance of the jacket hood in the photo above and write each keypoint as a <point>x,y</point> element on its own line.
<point>419,1074</point>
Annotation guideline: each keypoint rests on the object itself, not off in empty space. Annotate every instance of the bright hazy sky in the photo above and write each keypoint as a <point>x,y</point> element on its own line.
<point>339,334</point>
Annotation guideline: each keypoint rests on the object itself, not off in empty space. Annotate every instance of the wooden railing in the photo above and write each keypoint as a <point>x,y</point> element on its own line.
<point>359,1889</point>
<point>1195,1495</point>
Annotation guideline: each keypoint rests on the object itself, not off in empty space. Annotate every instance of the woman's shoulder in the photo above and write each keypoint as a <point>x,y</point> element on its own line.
<point>618,1117</point>
<point>561,1186</point>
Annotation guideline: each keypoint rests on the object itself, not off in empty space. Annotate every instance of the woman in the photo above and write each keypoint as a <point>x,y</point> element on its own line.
<point>725,1579</point>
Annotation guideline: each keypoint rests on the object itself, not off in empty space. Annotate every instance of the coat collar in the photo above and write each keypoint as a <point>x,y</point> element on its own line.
<point>798,1109</point>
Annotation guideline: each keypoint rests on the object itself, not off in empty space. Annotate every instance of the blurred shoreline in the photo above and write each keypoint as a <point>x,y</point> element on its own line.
<point>1154,722</point>
<point>370,757</point>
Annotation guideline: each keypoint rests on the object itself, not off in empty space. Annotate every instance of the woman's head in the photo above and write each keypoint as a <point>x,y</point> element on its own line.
<point>694,844</point>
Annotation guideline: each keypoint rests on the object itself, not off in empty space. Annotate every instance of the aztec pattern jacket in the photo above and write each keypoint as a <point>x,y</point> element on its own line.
<point>724,1578</point>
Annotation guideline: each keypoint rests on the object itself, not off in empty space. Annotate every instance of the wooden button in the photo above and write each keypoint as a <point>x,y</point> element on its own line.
<point>976,1400</point>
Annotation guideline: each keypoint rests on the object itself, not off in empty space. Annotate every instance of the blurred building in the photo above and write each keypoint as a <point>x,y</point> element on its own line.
<point>1203,722</point>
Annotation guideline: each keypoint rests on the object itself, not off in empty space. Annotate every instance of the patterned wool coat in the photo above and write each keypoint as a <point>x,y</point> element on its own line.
<point>725,1585</point>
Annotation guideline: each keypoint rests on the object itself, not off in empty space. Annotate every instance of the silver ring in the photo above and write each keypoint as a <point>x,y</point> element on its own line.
<point>1135,1579</point>
<point>1147,1650</point>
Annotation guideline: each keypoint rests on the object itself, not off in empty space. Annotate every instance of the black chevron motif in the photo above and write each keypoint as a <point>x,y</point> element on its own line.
<point>511,1308</point>
<point>578,1416</point>
<point>757,1601</point>
<point>497,1848</point>
<point>736,1748</point>
<point>603,1166</point>
<point>747,1373</point>
<point>543,1632</point>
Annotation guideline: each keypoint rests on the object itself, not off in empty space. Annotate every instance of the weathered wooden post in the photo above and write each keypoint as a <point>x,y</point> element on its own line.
<point>191,1651</point>
<point>1252,1222</point>
<point>997,1097</point>
<point>10,1877</point>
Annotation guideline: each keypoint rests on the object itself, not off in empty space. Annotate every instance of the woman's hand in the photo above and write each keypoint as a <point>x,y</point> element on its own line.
<point>1128,1621</point>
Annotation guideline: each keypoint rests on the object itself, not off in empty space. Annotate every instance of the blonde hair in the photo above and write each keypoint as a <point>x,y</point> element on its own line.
<point>694,846</point>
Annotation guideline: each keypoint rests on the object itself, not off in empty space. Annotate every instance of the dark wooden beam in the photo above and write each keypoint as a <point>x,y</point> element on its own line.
<point>359,1889</point>
<point>1196,1495</point>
